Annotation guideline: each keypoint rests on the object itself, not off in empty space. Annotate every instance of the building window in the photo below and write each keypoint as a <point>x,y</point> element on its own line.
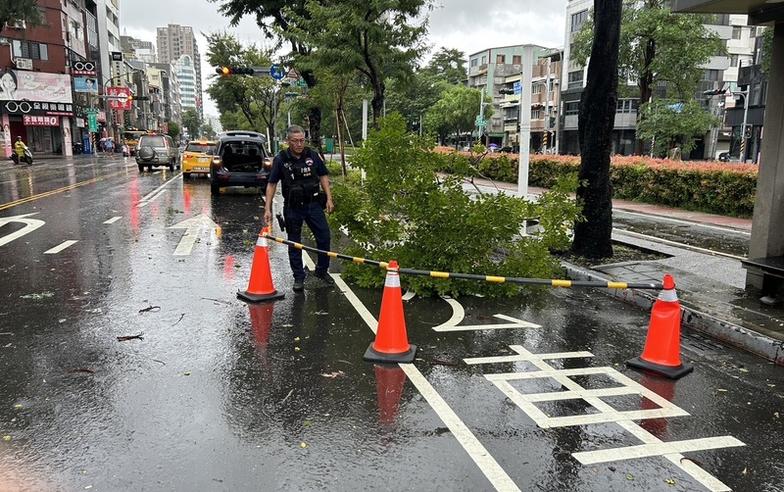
<point>575,79</point>
<point>578,20</point>
<point>30,49</point>
<point>500,59</point>
<point>536,114</point>
<point>536,89</point>
<point>517,60</point>
<point>572,108</point>
<point>628,106</point>
<point>474,62</point>
<point>736,32</point>
<point>733,61</point>
<point>484,60</point>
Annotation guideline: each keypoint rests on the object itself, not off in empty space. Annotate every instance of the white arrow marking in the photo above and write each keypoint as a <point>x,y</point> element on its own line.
<point>193,227</point>
<point>30,226</point>
<point>458,314</point>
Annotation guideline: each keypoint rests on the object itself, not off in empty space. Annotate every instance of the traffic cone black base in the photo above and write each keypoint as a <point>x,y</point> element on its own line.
<point>672,372</point>
<point>373,356</point>
<point>248,297</point>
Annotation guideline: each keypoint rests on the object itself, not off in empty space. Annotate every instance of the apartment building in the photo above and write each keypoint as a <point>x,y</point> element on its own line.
<point>718,72</point>
<point>498,70</point>
<point>175,42</point>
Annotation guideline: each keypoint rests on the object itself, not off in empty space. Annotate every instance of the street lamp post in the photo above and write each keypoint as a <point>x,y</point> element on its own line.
<point>745,96</point>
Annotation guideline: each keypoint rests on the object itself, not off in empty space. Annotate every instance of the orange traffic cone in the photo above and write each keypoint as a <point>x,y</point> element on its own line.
<point>391,344</point>
<point>662,353</point>
<point>389,389</point>
<point>260,286</point>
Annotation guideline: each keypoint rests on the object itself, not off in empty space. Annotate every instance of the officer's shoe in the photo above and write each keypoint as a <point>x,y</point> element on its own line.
<point>299,285</point>
<point>325,277</point>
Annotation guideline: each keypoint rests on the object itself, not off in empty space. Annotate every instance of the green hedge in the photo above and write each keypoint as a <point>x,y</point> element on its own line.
<point>725,189</point>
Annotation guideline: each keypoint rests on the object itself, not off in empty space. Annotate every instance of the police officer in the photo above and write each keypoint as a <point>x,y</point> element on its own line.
<point>302,171</point>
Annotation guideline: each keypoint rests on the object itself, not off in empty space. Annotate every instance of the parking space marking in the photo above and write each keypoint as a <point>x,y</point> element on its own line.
<point>458,315</point>
<point>60,247</point>
<point>655,449</point>
<point>499,479</point>
<point>112,220</point>
<point>652,446</point>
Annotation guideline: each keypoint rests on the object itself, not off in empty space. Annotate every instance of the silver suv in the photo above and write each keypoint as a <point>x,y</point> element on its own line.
<point>156,150</point>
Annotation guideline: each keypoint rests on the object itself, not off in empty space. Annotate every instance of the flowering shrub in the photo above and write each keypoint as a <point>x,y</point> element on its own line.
<point>720,188</point>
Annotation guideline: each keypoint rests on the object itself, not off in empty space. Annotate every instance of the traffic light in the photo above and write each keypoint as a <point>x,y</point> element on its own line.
<point>226,71</point>
<point>747,132</point>
<point>506,91</point>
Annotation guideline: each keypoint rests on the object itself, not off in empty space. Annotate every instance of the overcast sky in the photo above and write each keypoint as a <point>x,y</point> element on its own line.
<point>468,25</point>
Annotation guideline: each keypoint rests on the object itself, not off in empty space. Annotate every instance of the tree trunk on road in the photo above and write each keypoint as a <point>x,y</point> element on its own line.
<point>592,238</point>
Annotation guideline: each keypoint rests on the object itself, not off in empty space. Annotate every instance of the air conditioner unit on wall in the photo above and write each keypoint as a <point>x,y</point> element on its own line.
<point>23,63</point>
<point>17,24</point>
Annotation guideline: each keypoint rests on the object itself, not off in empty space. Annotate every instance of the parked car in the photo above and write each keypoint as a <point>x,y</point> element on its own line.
<point>156,150</point>
<point>196,157</point>
<point>240,159</point>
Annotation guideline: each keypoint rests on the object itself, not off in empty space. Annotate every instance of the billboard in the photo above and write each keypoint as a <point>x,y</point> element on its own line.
<point>119,97</point>
<point>86,84</point>
<point>16,85</point>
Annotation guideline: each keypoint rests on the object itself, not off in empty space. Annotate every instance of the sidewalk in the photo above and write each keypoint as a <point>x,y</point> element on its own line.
<point>711,287</point>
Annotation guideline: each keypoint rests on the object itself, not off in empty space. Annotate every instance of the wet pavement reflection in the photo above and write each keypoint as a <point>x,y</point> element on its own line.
<point>217,394</point>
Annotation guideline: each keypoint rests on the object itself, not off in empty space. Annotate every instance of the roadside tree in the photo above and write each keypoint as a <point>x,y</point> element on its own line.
<point>658,48</point>
<point>593,236</point>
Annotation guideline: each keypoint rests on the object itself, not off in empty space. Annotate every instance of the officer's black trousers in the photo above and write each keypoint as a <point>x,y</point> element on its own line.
<point>313,215</point>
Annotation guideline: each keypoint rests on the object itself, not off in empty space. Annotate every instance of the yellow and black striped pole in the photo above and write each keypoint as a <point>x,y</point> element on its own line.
<point>471,276</point>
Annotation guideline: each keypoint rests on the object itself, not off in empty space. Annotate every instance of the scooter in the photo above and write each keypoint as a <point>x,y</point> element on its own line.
<point>28,157</point>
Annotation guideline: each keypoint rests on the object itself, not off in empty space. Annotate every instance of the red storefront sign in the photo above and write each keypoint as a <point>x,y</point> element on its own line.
<point>120,97</point>
<point>30,120</point>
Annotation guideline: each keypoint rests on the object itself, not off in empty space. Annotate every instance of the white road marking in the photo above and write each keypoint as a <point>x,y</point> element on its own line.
<point>30,226</point>
<point>193,228</point>
<point>684,222</point>
<point>149,196</point>
<point>624,419</point>
<point>655,449</point>
<point>499,479</point>
<point>458,314</point>
<point>60,247</point>
<point>113,220</point>
<point>144,203</point>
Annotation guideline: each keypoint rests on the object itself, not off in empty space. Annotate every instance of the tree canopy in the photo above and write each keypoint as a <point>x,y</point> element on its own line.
<point>20,10</point>
<point>376,39</point>
<point>455,111</point>
<point>671,124</point>
<point>245,102</point>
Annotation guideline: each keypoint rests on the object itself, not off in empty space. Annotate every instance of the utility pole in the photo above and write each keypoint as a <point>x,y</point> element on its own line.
<point>525,121</point>
<point>364,120</point>
<point>481,113</point>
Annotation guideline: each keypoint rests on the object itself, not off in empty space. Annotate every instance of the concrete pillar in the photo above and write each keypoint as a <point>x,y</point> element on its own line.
<point>8,143</point>
<point>767,235</point>
<point>67,136</point>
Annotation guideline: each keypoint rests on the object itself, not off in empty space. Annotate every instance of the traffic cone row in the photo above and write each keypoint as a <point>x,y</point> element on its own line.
<point>662,353</point>
<point>260,287</point>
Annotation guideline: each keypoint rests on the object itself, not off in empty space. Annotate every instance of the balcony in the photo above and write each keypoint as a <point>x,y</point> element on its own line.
<point>477,70</point>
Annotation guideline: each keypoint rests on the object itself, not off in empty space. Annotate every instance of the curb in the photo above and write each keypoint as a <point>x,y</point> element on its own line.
<point>724,331</point>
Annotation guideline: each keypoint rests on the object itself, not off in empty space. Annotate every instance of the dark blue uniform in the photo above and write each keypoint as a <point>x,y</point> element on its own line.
<point>302,202</point>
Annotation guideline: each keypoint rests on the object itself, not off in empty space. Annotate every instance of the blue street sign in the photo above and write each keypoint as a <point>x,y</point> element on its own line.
<point>518,87</point>
<point>276,72</point>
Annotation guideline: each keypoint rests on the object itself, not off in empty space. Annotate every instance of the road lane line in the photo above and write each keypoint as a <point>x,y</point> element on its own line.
<point>30,226</point>
<point>149,196</point>
<point>499,479</point>
<point>60,247</point>
<point>656,449</point>
<point>144,203</point>
<point>45,194</point>
<point>113,220</point>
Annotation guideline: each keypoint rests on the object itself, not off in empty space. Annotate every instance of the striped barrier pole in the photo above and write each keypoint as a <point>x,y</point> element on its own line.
<point>470,276</point>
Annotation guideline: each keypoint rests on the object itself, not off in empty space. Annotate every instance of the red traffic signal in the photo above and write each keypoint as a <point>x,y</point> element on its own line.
<point>226,71</point>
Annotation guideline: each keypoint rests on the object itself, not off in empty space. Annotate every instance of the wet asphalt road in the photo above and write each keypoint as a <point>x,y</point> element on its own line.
<point>219,395</point>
